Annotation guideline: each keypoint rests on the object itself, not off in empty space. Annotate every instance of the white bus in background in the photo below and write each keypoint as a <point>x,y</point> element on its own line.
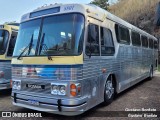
<point>69,58</point>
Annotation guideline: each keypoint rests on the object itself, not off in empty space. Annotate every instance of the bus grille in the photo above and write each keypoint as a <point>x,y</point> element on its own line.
<point>41,76</point>
<point>42,73</point>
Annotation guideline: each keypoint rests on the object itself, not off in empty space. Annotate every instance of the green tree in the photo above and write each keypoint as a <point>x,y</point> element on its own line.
<point>101,3</point>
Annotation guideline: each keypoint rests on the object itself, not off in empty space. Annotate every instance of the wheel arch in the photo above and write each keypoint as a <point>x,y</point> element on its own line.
<point>114,80</point>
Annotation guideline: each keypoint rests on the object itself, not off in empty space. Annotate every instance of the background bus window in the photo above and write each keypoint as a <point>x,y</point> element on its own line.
<point>155,45</point>
<point>12,43</point>
<point>4,35</point>
<point>144,40</point>
<point>135,39</point>
<point>122,34</point>
<point>107,46</point>
<point>92,47</point>
<point>151,43</point>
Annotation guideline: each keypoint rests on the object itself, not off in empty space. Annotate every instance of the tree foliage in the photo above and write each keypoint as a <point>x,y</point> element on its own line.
<point>101,3</point>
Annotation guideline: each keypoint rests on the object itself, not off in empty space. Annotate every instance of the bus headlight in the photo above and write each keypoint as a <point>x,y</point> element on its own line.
<point>58,89</point>
<point>54,89</point>
<point>62,90</point>
<point>16,84</point>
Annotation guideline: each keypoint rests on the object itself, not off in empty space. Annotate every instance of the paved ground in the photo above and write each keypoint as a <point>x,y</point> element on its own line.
<point>143,95</point>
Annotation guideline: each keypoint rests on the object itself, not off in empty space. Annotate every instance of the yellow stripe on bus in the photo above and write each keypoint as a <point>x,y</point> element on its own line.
<point>44,60</point>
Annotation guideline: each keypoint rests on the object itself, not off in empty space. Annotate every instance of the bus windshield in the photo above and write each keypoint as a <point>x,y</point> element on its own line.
<point>4,36</point>
<point>60,35</point>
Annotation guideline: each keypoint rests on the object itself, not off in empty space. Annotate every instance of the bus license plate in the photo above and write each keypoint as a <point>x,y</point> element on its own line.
<point>33,102</point>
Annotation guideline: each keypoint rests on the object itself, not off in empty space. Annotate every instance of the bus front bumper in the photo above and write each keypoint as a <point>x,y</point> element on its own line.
<point>4,84</point>
<point>68,107</point>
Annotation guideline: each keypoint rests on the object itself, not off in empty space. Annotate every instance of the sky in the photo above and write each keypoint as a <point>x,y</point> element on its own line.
<point>12,10</point>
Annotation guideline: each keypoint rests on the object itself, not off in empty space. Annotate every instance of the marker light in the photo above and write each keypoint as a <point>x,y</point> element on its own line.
<point>75,89</point>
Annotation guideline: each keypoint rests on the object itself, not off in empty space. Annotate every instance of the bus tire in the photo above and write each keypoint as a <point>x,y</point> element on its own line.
<point>109,90</point>
<point>151,73</point>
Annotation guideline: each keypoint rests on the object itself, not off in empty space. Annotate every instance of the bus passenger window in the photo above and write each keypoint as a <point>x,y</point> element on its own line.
<point>92,47</point>
<point>12,43</point>
<point>107,46</point>
<point>151,43</point>
<point>136,41</point>
<point>155,45</point>
<point>144,40</point>
<point>122,34</point>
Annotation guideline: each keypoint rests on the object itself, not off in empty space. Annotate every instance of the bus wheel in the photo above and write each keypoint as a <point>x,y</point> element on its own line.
<point>109,91</point>
<point>151,73</point>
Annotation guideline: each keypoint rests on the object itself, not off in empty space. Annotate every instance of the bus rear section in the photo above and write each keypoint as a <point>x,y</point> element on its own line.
<point>8,35</point>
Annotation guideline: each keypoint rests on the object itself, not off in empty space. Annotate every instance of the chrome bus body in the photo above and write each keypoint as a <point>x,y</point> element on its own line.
<point>5,57</point>
<point>128,65</point>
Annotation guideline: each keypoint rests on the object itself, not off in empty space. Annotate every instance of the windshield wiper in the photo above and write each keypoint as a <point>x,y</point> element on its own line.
<point>29,47</point>
<point>45,47</point>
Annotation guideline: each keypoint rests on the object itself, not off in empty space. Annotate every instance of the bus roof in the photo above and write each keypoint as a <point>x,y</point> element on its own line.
<point>10,26</point>
<point>87,9</point>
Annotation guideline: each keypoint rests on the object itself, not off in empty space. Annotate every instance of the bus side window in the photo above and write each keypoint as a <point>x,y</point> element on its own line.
<point>144,40</point>
<point>12,43</point>
<point>136,41</point>
<point>122,34</point>
<point>92,47</point>
<point>155,45</point>
<point>151,43</point>
<point>107,46</point>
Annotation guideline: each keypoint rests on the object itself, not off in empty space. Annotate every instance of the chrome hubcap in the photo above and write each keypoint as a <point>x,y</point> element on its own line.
<point>109,88</point>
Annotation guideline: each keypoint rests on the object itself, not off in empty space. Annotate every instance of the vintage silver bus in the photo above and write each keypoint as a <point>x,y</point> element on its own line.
<point>69,58</point>
<point>8,35</point>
